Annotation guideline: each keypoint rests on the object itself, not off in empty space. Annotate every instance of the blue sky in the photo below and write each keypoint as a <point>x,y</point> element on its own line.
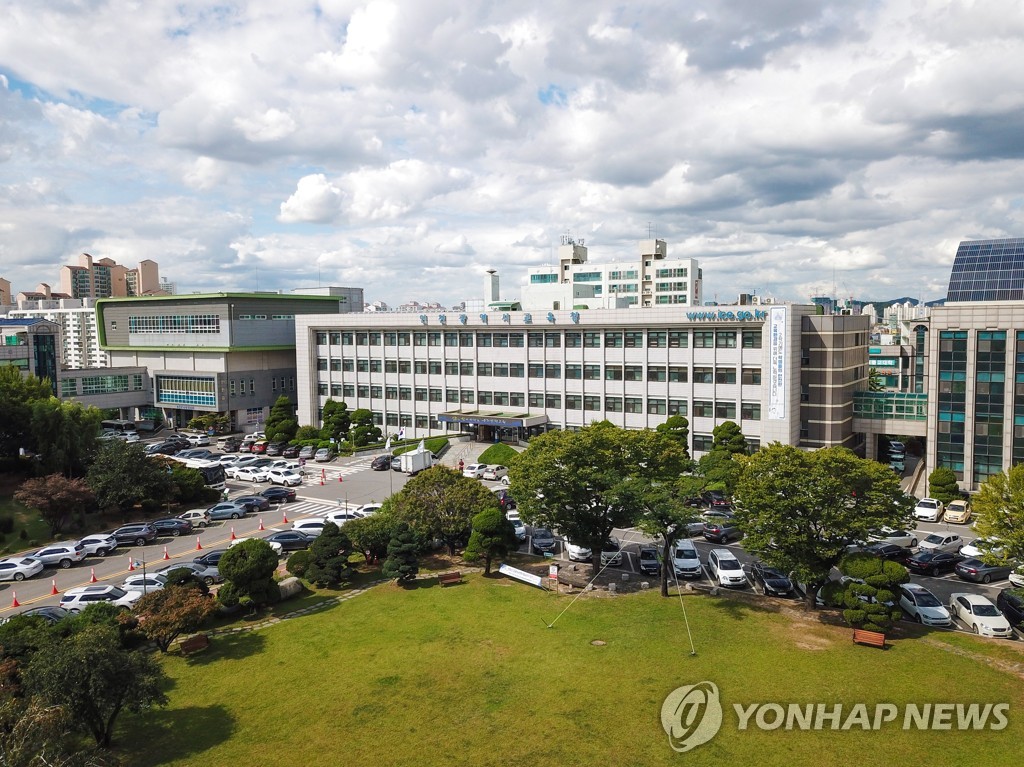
<point>406,147</point>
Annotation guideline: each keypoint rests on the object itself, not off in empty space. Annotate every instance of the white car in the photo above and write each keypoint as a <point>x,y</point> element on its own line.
<point>98,545</point>
<point>474,470</point>
<point>686,560</point>
<point>19,568</point>
<point>577,553</point>
<point>979,615</point>
<point>277,547</point>
<point>921,605</point>
<point>198,440</point>
<point>144,582</point>
<point>341,517</point>
<point>229,459</point>
<point>242,462</point>
<point>1017,577</point>
<point>495,472</point>
<point>942,542</point>
<point>929,510</point>
<point>309,526</point>
<point>367,509</point>
<point>76,600</point>
<point>905,538</point>
<point>726,569</point>
<point>251,474</point>
<point>506,481</point>
<point>979,547</point>
<point>198,517</point>
<point>519,527</point>
<point>284,477</point>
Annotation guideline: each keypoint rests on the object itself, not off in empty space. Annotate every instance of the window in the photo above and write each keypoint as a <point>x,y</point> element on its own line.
<point>362,338</point>
<point>750,411</point>
<point>404,339</point>
<point>348,390</point>
<point>702,443</point>
<point>678,374</point>
<point>451,339</point>
<point>321,339</point>
<point>501,340</point>
<point>553,400</point>
<point>363,390</point>
<point>590,402</point>
<point>483,339</point>
<point>516,399</point>
<point>420,367</point>
<point>592,339</point>
<point>434,338</point>
<point>612,372</point>
<point>362,366</point>
<point>634,339</point>
<point>678,339</point>
<point>573,339</point>
<point>466,340</point>
<point>321,389</point>
<point>348,365</point>
<point>656,406</point>
<point>613,404</point>
<point>634,405</point>
<point>574,371</point>
<point>376,391</point>
<point>573,402</point>
<point>516,370</point>
<point>751,339</point>
<point>535,340</point>
<point>677,407</point>
<point>231,386</point>
<point>703,339</point>
<point>725,339</point>
<point>419,339</point>
<point>374,338</point>
<point>336,390</point>
<point>466,368</point>
<point>252,386</point>
<point>500,370</point>
<point>656,373</point>
<point>451,368</point>
<point>536,399</point>
<point>553,340</point>
<point>536,370</point>
<point>483,368</point>
<point>634,373</point>
<point>703,375</point>
<point>321,363</point>
<point>752,376</point>
<point>725,410</point>
<point>253,415</point>
<point>377,366</point>
<point>273,384</point>
<point>335,339</point>
<point>451,395</point>
<point>725,375</point>
<point>335,366</point>
<point>552,370</point>
<point>391,392</point>
<point>703,408</point>
<point>613,339</point>
<point>485,397</point>
<point>501,398</point>
<point>435,395</point>
<point>657,339</point>
<point>175,323</point>
<point>467,396</point>
<point>515,340</point>
<point>434,366</point>
<point>591,372</point>
<point>421,394</point>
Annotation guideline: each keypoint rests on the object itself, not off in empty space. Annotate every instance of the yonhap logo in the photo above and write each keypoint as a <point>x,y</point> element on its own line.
<point>691,715</point>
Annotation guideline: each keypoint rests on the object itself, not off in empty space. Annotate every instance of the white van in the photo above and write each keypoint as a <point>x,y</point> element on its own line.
<point>686,560</point>
<point>726,569</point>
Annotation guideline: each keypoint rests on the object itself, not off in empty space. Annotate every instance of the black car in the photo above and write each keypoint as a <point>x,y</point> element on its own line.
<point>210,558</point>
<point>648,560</point>
<point>137,534</point>
<point>197,453</point>
<point>978,571</point>
<point>1011,604</point>
<point>253,502</point>
<point>291,451</point>
<point>542,541</point>
<point>381,463</point>
<point>930,562</point>
<point>49,613</point>
<point>715,499</point>
<point>722,530</point>
<point>178,441</point>
<point>291,540</point>
<point>172,526</point>
<point>772,582</point>
<point>505,501</point>
<point>889,551</point>
<point>276,448</point>
<point>163,448</point>
<point>278,494</point>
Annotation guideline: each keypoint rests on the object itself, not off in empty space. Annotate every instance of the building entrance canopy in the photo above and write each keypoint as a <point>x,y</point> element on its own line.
<point>487,418</point>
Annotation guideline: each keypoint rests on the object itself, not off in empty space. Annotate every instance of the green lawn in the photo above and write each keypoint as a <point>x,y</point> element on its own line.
<point>471,674</point>
<point>499,454</point>
<point>36,530</point>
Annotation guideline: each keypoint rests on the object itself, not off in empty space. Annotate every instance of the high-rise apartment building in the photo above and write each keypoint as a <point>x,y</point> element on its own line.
<point>79,341</point>
<point>104,278</point>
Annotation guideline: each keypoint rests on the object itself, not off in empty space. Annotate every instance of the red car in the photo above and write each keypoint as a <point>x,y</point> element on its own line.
<point>259,447</point>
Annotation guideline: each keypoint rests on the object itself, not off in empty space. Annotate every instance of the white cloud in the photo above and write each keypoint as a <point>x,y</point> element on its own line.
<point>315,200</point>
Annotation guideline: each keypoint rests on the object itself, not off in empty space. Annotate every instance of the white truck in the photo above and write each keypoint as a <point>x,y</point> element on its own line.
<point>415,462</point>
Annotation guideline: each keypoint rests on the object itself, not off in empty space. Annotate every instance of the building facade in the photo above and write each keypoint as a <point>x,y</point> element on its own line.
<point>79,339</point>
<point>30,345</point>
<point>105,278</point>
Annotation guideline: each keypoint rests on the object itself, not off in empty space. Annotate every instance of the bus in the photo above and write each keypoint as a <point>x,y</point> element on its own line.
<point>119,426</point>
<point>212,471</point>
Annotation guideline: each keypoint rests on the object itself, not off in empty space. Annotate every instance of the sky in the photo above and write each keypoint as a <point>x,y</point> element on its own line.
<point>406,146</point>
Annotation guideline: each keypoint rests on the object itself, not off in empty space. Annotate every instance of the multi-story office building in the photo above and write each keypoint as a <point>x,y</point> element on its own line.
<point>79,341</point>
<point>228,353</point>
<point>651,280</point>
<point>783,373</point>
<point>104,278</point>
<point>31,346</point>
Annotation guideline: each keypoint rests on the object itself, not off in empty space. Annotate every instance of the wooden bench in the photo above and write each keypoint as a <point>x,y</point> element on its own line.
<point>873,638</point>
<point>445,578</point>
<point>194,643</point>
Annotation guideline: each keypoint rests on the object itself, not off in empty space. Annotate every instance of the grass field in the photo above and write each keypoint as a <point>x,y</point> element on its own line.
<point>471,674</point>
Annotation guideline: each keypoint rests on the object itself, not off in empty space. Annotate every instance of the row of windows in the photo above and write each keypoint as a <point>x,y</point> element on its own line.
<point>186,390</point>
<point>263,316</point>
<point>570,339</point>
<point>238,387</point>
<point>175,323</point>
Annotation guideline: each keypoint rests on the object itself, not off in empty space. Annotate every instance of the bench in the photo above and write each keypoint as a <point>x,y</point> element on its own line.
<point>445,578</point>
<point>194,643</point>
<point>873,638</point>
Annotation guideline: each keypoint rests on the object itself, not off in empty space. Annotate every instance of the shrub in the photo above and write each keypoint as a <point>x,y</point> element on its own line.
<point>298,563</point>
<point>6,524</point>
<point>942,485</point>
<point>182,576</point>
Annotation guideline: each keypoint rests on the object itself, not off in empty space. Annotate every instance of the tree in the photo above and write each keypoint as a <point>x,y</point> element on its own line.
<point>720,470</point>
<point>371,535</point>
<point>440,503</point>
<point>402,563</point>
<point>306,434</point>
<point>336,420</point>
<point>116,461</point>
<point>677,428</point>
<point>56,498</point>
<point>187,485</point>
<point>65,435</point>
<point>249,568</point>
<point>166,614</point>
<point>364,432</point>
<point>493,536</point>
<point>94,678</point>
<point>800,510</point>
<point>868,591</point>
<point>664,513</point>
<point>875,382</point>
<point>328,557</point>
<point>574,481</point>
<point>17,393</point>
<point>727,436</point>
<point>999,508</point>
<point>942,485</point>
<point>281,424</point>
<point>33,734</point>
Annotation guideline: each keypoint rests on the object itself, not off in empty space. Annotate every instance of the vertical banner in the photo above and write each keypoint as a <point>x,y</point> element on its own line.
<point>777,362</point>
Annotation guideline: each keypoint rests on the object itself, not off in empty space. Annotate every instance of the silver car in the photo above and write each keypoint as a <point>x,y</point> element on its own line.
<point>99,545</point>
<point>60,554</point>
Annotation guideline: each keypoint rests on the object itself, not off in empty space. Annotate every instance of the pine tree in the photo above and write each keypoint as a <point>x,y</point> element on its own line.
<point>281,423</point>
<point>493,536</point>
<point>402,562</point>
<point>328,557</point>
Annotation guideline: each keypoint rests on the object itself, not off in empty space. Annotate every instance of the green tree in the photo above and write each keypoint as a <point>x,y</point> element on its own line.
<point>56,498</point>
<point>800,510</point>
<point>371,535</point>
<point>942,485</point>
<point>364,432</point>
<point>336,420</point>
<point>281,423</point>
<point>402,562</point>
<point>720,470</point>
<point>868,591</point>
<point>677,428</point>
<point>34,734</point>
<point>249,568</point>
<point>875,382</point>
<point>328,557</point>
<point>187,485</point>
<point>664,513</point>
<point>440,503</point>
<point>728,436</point>
<point>999,509</point>
<point>574,481</point>
<point>493,536</point>
<point>94,679</point>
<point>166,614</point>
<point>115,462</point>
<point>17,394</point>
<point>65,435</point>
<point>306,434</point>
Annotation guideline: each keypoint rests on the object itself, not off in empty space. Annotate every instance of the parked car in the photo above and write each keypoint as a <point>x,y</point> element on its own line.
<point>276,448</point>
<point>921,605</point>
<point>229,460</point>
<point>138,534</point>
<point>341,517</point>
<point>209,574</point>
<point>474,470</point>
<point>259,447</point>
<point>726,569</point>
<point>905,538</point>
<point>648,562</point>
<point>979,547</point>
<point>173,526</point>
<point>505,499</point>
<point>367,509</point>
<point>958,512</point>
<point>227,510</point>
<point>245,447</point>
<point>1017,577</point>
<point>210,558</point>
<point>162,448</point>
<point>897,448</point>
<point>722,530</point>
<point>144,582</point>
<point>928,510</point>
<point>542,541</point>
<point>251,474</point>
<point>577,553</point>
<point>274,545</point>
<point>284,477</point>
<point>279,494</point>
<point>519,528</point>
<point>311,527</point>
<point>99,545</point>
<point>199,440</point>
<point>495,472</point>
<point>611,553</point>
<point>772,582</point>
<point>715,499</point>
<point>230,445</point>
<point>686,560</point>
<point>19,568</point>
<point>942,542</point>
<point>252,502</point>
<point>897,465</point>
<point>291,451</point>
<point>978,571</point>
<point>76,600</point>
<point>1012,606</point>
<point>932,562</point>
<point>243,462</point>
<point>323,455</point>
<point>198,517</point>
<point>61,555</point>
<point>49,613</point>
<point>291,540</point>
<point>886,551</point>
<point>381,463</point>
<point>307,452</point>
<point>979,615</point>
<point>197,454</point>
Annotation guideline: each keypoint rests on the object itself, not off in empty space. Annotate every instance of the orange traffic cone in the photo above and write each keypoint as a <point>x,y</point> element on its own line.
<point>166,555</point>
<point>14,600</point>
<point>92,575</point>
<point>199,546</point>
<point>339,478</point>
<point>261,523</point>
<point>233,534</point>
<point>284,517</point>
<point>321,480</point>
<point>131,565</point>
<point>53,587</point>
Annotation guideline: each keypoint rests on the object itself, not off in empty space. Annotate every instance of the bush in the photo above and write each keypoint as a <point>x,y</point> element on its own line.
<point>298,563</point>
<point>23,534</point>
<point>151,506</point>
<point>6,524</point>
<point>182,576</point>
<point>942,485</point>
<point>227,595</point>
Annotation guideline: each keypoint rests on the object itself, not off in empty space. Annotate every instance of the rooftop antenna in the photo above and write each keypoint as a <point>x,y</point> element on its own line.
<point>649,235</point>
